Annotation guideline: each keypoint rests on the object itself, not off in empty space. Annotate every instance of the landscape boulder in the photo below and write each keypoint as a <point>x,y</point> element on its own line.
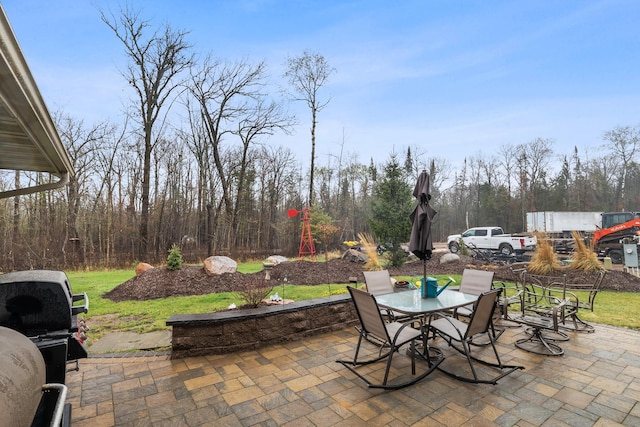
<point>354,256</point>
<point>277,259</point>
<point>142,267</point>
<point>217,265</point>
<point>449,258</point>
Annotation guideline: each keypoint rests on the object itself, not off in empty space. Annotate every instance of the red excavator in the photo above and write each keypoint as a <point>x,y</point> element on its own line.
<point>616,227</point>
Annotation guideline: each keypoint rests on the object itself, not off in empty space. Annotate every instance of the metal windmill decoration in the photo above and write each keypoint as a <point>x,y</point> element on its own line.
<point>307,247</point>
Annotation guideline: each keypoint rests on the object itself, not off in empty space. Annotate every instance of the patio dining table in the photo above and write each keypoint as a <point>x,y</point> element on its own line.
<point>411,302</point>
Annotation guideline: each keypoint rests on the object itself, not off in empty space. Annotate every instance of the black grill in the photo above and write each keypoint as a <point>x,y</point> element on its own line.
<point>36,301</point>
<point>40,305</point>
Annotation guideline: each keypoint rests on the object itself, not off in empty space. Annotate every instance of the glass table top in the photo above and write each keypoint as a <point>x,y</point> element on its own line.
<point>411,302</point>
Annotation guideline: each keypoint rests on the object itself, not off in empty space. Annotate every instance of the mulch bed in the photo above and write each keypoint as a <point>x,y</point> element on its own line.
<point>190,280</point>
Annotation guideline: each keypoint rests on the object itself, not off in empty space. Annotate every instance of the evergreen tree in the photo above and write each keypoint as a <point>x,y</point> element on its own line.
<point>408,161</point>
<point>391,206</point>
<point>373,172</point>
<point>174,259</point>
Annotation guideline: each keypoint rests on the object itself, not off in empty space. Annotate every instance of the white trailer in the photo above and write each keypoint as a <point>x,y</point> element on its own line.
<point>563,223</point>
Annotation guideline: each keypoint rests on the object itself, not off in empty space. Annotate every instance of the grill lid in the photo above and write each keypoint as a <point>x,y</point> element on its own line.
<point>36,300</point>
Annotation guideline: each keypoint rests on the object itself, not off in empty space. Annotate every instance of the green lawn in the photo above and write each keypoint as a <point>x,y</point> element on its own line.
<point>145,316</point>
<point>611,308</point>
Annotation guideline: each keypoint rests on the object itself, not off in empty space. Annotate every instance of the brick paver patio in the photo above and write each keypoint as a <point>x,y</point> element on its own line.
<point>595,383</point>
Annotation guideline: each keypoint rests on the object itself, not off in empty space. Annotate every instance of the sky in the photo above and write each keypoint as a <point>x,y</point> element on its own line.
<point>448,78</point>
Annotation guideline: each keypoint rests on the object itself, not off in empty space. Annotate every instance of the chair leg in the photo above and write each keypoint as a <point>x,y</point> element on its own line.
<point>578,325</point>
<point>386,372</point>
<point>352,365</point>
<point>496,333</point>
<point>466,351</point>
<point>504,319</point>
<point>356,362</point>
<point>355,356</point>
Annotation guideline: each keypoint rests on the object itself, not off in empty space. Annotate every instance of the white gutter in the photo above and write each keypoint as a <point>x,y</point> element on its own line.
<point>31,141</point>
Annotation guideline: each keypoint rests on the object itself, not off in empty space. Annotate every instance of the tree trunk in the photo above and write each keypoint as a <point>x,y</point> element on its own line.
<point>313,155</point>
<point>144,208</point>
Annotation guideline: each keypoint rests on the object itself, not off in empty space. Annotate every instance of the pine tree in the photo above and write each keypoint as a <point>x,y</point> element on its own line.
<point>390,209</point>
<point>174,259</point>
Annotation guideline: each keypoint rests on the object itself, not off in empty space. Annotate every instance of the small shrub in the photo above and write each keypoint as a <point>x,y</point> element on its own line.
<point>398,257</point>
<point>334,291</point>
<point>174,259</point>
<point>463,249</point>
<point>253,293</point>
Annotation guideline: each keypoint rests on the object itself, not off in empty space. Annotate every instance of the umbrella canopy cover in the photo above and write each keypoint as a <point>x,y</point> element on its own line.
<point>421,243</point>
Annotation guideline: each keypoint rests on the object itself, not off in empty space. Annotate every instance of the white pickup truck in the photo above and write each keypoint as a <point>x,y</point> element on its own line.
<point>492,238</point>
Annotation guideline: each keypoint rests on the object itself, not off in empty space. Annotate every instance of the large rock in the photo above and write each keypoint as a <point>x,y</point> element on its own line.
<point>449,258</point>
<point>142,267</point>
<point>354,256</point>
<point>217,265</point>
<point>277,259</point>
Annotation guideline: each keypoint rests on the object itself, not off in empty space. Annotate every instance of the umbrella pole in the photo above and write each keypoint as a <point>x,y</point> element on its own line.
<point>424,271</point>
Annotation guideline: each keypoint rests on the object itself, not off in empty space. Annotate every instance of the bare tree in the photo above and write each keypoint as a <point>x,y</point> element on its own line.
<point>534,162</point>
<point>625,142</point>
<point>263,119</point>
<point>307,74</point>
<point>197,142</point>
<point>603,177</point>
<point>109,195</point>
<point>277,172</point>
<point>229,100</point>
<point>83,145</point>
<point>506,161</point>
<point>156,60</point>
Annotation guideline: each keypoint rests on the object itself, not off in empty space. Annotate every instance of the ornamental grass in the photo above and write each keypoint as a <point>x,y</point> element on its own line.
<point>544,260</point>
<point>584,257</point>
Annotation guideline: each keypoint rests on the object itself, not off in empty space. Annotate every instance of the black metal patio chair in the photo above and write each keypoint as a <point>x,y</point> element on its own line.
<point>477,282</point>
<point>459,335</point>
<point>392,336</point>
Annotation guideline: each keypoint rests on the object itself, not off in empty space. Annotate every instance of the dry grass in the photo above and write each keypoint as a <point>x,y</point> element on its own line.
<point>584,257</point>
<point>544,260</point>
<point>369,246</point>
<point>333,255</point>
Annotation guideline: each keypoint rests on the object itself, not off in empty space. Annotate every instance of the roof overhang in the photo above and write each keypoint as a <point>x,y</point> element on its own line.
<point>29,140</point>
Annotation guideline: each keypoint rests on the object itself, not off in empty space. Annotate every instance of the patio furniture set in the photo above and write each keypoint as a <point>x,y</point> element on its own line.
<point>549,307</point>
<point>468,319</point>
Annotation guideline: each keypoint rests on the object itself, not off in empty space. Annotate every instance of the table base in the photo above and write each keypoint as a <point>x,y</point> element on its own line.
<point>537,343</point>
<point>434,354</point>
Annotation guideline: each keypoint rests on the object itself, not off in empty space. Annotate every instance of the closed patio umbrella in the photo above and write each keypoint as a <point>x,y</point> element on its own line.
<point>420,242</point>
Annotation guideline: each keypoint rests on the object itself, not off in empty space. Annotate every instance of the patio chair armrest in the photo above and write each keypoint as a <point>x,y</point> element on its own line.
<point>562,310</point>
<point>504,299</point>
<point>452,321</point>
<point>554,293</point>
<point>572,298</point>
<point>403,326</point>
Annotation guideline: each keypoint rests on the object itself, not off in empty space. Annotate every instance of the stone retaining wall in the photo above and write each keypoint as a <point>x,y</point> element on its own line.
<point>239,330</point>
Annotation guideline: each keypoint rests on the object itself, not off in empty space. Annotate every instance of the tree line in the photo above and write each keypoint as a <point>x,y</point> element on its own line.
<point>196,163</point>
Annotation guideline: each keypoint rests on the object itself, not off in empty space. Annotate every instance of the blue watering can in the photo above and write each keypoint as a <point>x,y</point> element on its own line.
<point>430,288</point>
